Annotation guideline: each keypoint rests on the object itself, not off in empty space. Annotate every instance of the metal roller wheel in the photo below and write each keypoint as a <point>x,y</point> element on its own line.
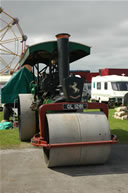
<point>27,118</point>
<point>77,127</point>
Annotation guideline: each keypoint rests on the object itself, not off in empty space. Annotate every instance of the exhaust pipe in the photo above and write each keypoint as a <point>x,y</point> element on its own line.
<point>63,56</point>
<point>71,86</point>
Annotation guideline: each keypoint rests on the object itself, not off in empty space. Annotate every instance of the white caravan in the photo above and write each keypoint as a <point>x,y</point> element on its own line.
<point>110,89</point>
<point>3,80</point>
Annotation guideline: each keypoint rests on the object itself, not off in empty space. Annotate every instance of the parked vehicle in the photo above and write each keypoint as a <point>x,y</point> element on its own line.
<point>109,89</point>
<point>3,80</point>
<point>87,91</point>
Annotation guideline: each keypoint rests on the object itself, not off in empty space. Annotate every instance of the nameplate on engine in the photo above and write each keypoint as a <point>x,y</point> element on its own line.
<point>76,106</point>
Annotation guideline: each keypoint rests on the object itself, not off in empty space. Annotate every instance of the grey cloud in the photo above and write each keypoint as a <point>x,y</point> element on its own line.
<point>101,25</point>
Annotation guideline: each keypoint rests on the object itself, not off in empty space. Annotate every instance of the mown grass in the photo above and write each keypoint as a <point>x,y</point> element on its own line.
<point>118,127</point>
<point>10,138</point>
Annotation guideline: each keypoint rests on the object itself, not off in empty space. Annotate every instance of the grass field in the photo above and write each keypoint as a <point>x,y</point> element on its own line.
<point>118,127</point>
<point>10,138</point>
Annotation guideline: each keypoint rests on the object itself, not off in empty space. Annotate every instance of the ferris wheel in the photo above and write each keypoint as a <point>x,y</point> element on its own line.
<point>12,42</point>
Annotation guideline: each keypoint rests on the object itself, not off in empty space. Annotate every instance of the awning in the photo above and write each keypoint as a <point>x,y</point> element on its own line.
<point>46,51</point>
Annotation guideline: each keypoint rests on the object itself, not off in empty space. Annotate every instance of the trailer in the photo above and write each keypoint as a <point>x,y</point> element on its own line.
<point>110,89</point>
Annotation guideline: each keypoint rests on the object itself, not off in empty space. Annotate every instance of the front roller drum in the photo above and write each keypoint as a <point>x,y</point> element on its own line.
<point>77,127</point>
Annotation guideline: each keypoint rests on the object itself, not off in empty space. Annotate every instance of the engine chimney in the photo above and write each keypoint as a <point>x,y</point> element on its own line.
<point>63,56</point>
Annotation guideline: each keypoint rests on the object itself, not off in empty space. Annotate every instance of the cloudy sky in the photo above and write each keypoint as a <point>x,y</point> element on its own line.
<point>103,25</point>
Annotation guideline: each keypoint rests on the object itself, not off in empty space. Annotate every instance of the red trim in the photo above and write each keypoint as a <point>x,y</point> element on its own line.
<point>37,141</point>
<point>58,36</point>
<point>102,106</point>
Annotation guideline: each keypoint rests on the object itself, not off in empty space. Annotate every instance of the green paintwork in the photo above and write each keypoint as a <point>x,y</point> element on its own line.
<point>19,83</point>
<point>44,52</point>
<point>33,87</point>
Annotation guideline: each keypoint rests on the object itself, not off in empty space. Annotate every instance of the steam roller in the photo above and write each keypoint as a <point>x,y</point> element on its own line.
<point>57,118</point>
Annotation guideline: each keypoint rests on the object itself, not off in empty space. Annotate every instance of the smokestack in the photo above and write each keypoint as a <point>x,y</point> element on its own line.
<point>63,56</point>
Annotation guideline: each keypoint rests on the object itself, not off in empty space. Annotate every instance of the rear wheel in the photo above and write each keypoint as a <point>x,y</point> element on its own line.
<point>27,118</point>
<point>126,99</point>
<point>111,104</point>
